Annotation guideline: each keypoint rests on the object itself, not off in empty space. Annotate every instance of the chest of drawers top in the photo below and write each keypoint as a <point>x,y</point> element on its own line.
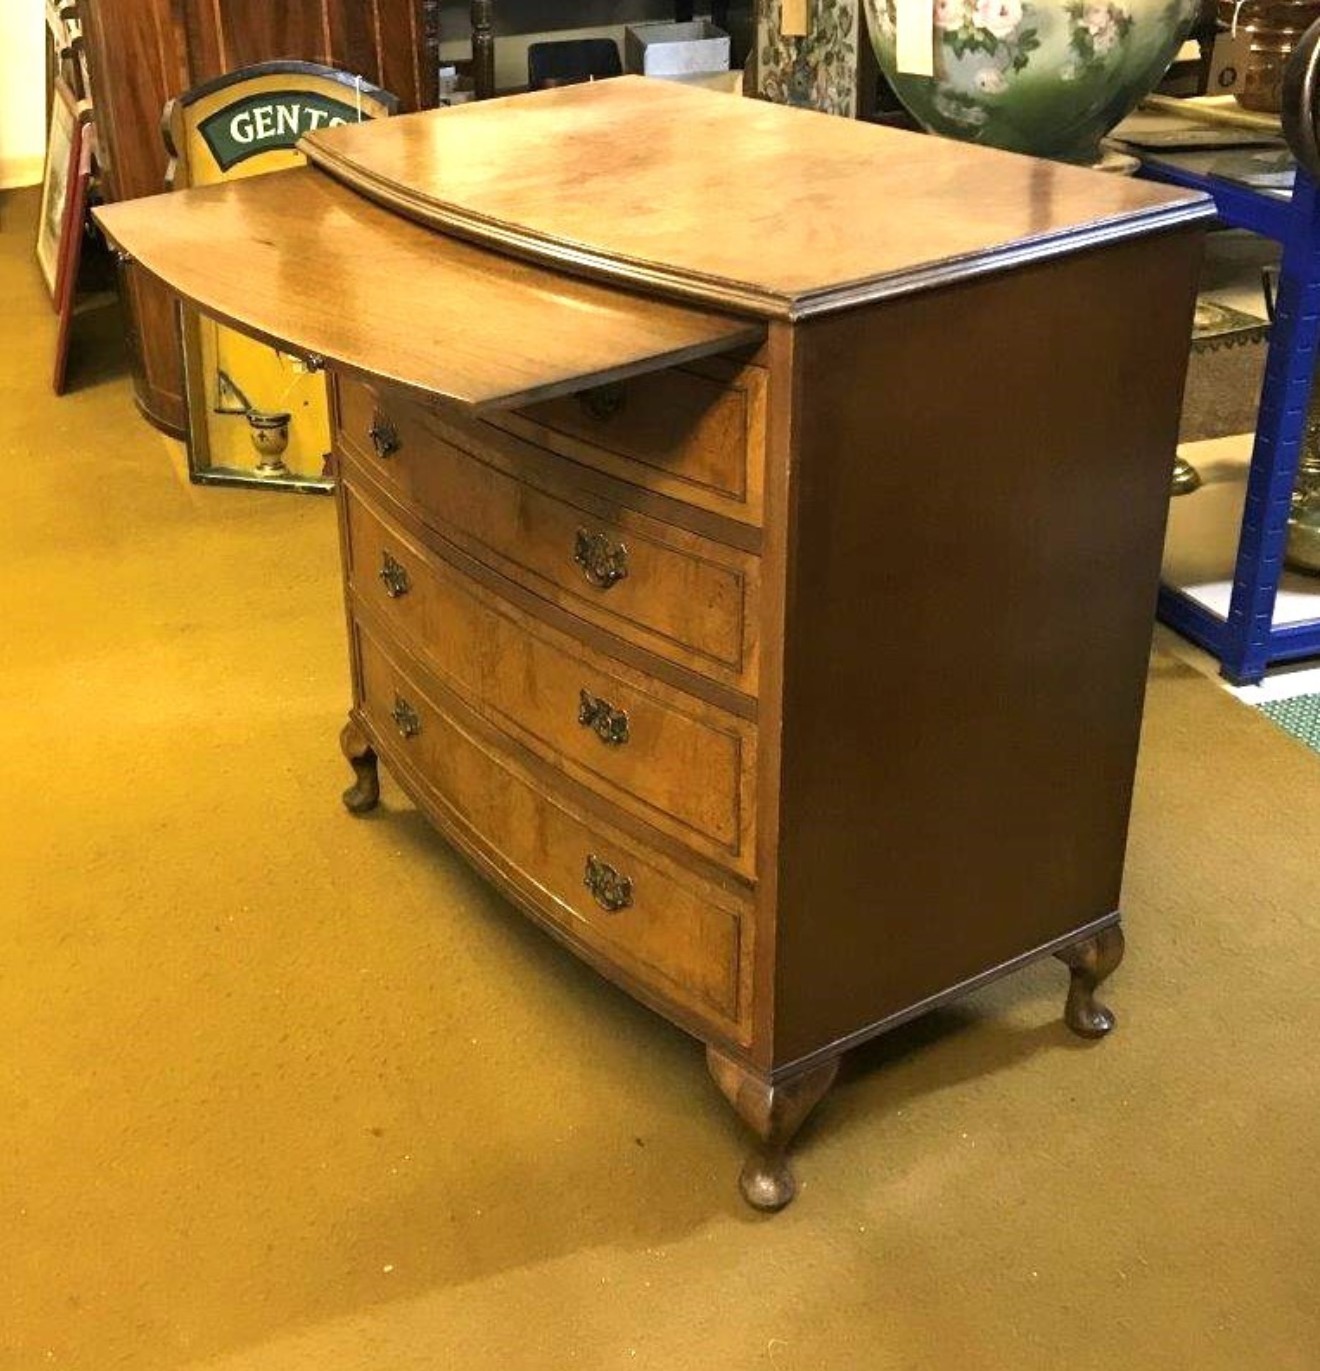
<point>593,232</point>
<point>740,203</point>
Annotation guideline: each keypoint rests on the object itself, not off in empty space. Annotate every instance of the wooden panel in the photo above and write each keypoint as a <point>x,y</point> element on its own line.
<point>136,65</point>
<point>144,52</point>
<point>970,600</point>
<point>696,433</point>
<point>522,511</point>
<point>680,940</point>
<point>256,32</point>
<point>686,767</point>
<point>400,50</point>
<point>383,40</point>
<point>733,201</point>
<point>408,304</point>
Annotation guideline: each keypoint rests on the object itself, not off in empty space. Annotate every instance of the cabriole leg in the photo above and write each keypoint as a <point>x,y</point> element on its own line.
<point>774,1113</point>
<point>1089,963</point>
<point>364,793</point>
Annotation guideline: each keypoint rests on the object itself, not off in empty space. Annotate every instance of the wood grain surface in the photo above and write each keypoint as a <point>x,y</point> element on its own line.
<point>522,511</point>
<point>295,258</point>
<point>783,211</point>
<point>143,53</point>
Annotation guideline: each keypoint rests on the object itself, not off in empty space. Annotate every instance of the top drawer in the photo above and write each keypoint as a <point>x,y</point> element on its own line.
<point>695,433</point>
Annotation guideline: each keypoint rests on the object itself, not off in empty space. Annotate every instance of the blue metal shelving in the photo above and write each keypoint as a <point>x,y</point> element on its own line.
<point>1248,641</point>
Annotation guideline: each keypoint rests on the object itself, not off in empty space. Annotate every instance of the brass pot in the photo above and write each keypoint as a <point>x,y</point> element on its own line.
<point>1275,26</point>
<point>1303,550</point>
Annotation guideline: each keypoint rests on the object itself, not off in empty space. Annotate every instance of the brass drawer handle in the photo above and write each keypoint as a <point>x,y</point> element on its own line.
<point>603,402</point>
<point>602,562</point>
<point>611,890</point>
<point>609,724</point>
<point>405,718</point>
<point>393,577</point>
<point>384,436</point>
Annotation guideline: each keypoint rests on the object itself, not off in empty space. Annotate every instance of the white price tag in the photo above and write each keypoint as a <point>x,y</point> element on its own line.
<point>1228,63</point>
<point>793,19</point>
<point>914,39</point>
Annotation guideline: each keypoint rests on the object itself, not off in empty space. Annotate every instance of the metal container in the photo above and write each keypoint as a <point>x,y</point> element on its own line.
<point>676,49</point>
<point>1275,27</point>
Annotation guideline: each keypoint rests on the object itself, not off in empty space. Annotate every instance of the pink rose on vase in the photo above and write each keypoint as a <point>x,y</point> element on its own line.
<point>950,14</point>
<point>998,17</point>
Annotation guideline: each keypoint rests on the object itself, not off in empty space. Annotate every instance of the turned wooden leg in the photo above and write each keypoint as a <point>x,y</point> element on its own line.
<point>1089,963</point>
<point>774,1113</point>
<point>364,793</point>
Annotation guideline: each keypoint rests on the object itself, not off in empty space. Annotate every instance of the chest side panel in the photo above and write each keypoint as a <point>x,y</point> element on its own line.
<point>976,509</point>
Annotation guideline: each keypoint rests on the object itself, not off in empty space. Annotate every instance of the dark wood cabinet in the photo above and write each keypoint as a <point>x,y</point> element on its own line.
<point>144,52</point>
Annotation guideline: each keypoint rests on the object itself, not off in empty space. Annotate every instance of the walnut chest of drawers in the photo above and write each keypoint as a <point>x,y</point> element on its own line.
<point>751,524</point>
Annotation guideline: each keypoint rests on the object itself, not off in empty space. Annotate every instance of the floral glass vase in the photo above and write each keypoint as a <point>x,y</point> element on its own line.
<point>1046,77</point>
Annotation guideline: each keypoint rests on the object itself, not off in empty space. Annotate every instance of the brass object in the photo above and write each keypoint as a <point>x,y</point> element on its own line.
<point>1186,478</point>
<point>1216,326</point>
<point>602,562</point>
<point>610,725</point>
<point>1275,28</point>
<point>393,577</point>
<point>405,718</point>
<point>384,436</point>
<point>609,888</point>
<point>603,402</point>
<point>1302,552</point>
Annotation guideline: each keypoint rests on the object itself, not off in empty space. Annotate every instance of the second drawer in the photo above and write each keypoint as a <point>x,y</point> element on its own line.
<point>517,508</point>
<point>678,763</point>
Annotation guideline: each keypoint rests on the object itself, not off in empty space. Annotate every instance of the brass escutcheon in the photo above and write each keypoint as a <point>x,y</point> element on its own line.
<point>603,402</point>
<point>609,888</point>
<point>610,725</point>
<point>602,562</point>
<point>405,718</point>
<point>393,577</point>
<point>384,436</point>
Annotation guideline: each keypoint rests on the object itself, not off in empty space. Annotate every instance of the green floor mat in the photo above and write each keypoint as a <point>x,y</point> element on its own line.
<point>1299,716</point>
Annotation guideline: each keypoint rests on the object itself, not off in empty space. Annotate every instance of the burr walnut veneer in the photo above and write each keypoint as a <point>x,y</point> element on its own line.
<point>751,525</point>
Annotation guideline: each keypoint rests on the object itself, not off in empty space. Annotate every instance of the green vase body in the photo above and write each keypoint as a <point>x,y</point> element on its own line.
<point>1045,77</point>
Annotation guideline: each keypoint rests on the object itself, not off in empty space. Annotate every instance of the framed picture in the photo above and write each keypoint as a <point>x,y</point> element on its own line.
<point>63,152</point>
<point>66,298</point>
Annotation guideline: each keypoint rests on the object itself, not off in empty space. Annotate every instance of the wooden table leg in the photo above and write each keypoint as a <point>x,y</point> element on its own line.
<point>1089,963</point>
<point>774,1113</point>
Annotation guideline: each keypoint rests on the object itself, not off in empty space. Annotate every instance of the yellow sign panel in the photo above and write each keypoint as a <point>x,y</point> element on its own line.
<point>256,415</point>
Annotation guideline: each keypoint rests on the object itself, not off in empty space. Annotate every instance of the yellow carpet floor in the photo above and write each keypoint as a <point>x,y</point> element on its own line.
<point>282,1089</point>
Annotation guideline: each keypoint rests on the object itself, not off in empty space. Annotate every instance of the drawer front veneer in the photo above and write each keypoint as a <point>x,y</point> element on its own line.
<point>677,763</point>
<point>695,433</point>
<point>681,941</point>
<point>514,507</point>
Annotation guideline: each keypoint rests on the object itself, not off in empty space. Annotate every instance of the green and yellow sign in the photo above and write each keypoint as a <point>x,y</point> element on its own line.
<point>256,416</point>
<point>265,121</point>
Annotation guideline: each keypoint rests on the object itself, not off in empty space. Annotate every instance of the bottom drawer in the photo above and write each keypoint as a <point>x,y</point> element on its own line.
<point>680,942</point>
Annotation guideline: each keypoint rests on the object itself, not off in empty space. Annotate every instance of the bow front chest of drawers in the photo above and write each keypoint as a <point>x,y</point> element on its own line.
<point>751,525</point>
